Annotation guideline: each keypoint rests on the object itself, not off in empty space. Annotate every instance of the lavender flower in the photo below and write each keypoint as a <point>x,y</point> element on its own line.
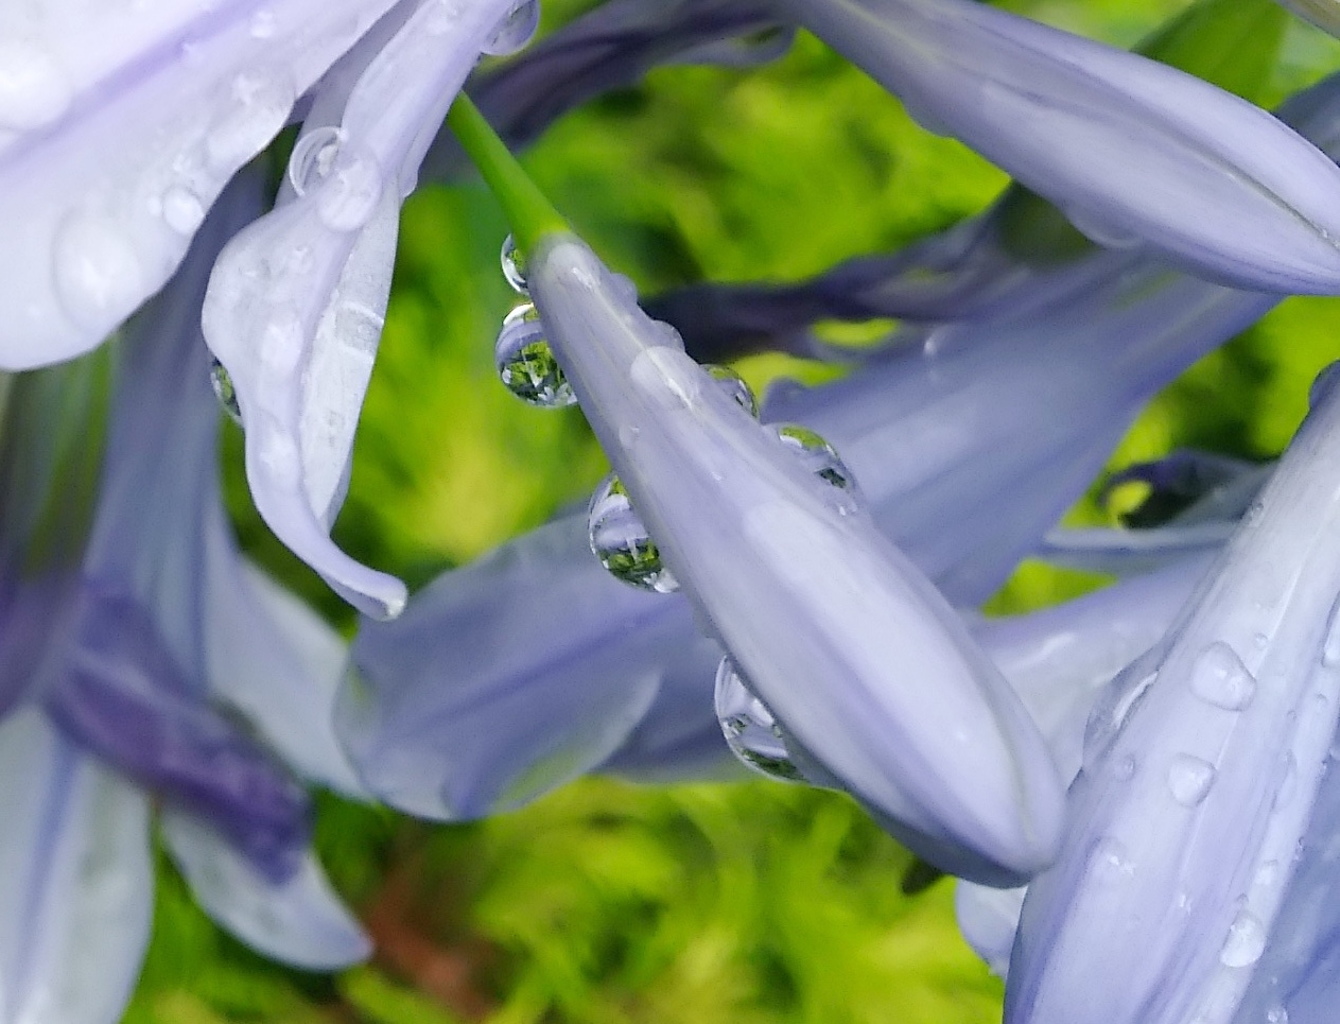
<point>124,634</point>
<point>1132,150</point>
<point>1202,764</point>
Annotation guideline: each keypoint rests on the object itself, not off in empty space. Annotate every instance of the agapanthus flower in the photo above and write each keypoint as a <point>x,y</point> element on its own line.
<point>1202,765</point>
<point>134,637</point>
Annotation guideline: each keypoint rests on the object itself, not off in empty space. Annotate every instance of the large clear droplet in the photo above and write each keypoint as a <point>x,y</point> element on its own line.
<point>516,29</point>
<point>526,363</point>
<point>1219,677</point>
<point>750,730</point>
<point>822,459</point>
<point>735,387</point>
<point>1190,779</point>
<point>313,157</point>
<point>514,266</point>
<point>222,383</point>
<point>620,540</point>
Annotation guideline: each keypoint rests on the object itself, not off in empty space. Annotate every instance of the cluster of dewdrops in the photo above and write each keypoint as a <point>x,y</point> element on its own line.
<point>619,538</point>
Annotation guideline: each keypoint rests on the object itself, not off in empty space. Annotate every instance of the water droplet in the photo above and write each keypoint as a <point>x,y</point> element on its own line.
<point>1277,1015</point>
<point>182,210</point>
<point>1254,513</point>
<point>751,731</point>
<point>821,459</point>
<point>1220,678</point>
<point>222,382</point>
<point>516,29</point>
<point>260,108</point>
<point>313,157</point>
<point>514,266</point>
<point>1109,862</point>
<point>1245,943</point>
<point>1267,875</point>
<point>440,16</point>
<point>263,24</point>
<point>352,190</point>
<point>33,89</point>
<point>1123,768</point>
<point>735,387</point>
<point>97,272</point>
<point>1190,779</point>
<point>526,363</point>
<point>621,541</point>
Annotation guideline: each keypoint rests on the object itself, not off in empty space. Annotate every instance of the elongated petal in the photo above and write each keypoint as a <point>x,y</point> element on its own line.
<point>505,678</point>
<point>299,920</point>
<point>799,592</point>
<point>1201,769</point>
<point>118,128</point>
<point>296,303</point>
<point>1130,148</point>
<point>118,692</point>
<point>77,889</point>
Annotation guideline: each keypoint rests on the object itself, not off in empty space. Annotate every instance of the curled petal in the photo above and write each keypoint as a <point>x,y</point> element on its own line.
<point>296,303</point>
<point>77,891</point>
<point>799,592</point>
<point>1201,768</point>
<point>505,678</point>
<point>1133,150</point>
<point>118,129</point>
<point>299,920</point>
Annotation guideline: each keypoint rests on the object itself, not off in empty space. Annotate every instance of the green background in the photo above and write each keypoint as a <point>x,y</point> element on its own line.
<point>606,902</point>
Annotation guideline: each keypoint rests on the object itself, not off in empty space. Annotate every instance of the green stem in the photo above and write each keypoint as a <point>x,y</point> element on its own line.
<point>530,213</point>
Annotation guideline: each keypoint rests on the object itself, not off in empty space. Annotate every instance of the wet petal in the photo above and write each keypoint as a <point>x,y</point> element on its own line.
<point>296,303</point>
<point>776,568</point>
<point>118,128</point>
<point>505,678</point>
<point>1201,766</point>
<point>299,920</point>
<point>77,895</point>
<point>1131,149</point>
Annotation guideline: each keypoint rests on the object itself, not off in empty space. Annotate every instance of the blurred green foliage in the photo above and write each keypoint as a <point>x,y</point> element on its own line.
<point>606,903</point>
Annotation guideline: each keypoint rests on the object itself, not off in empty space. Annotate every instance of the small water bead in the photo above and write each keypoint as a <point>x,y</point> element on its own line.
<point>1219,677</point>
<point>735,387</point>
<point>749,727</point>
<point>313,157</point>
<point>222,383</point>
<point>821,459</point>
<point>261,104</point>
<point>526,363</point>
<point>182,210</point>
<point>1122,768</point>
<point>1190,779</point>
<point>1245,943</point>
<point>516,29</point>
<point>1110,862</point>
<point>1277,1015</point>
<point>513,262</point>
<point>97,271</point>
<point>620,540</point>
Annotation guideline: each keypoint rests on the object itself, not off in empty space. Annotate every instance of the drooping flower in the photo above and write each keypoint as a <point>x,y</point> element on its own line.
<point>1202,766</point>
<point>132,635</point>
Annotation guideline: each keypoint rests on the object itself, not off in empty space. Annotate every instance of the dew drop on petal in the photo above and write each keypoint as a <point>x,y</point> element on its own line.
<point>516,29</point>
<point>513,263</point>
<point>1219,677</point>
<point>526,363</point>
<point>263,24</point>
<point>751,731</point>
<point>735,387</point>
<point>313,157</point>
<point>97,271</point>
<point>620,540</point>
<point>821,459</point>
<point>1190,779</point>
<point>260,106</point>
<point>222,383</point>
<point>1277,1015</point>
<point>440,16</point>
<point>1122,768</point>
<point>182,210</point>
<point>1110,862</point>
<point>351,192</point>
<point>1245,943</point>
<point>33,89</point>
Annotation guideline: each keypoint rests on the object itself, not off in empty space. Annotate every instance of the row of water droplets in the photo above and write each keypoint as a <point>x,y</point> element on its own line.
<point>619,537</point>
